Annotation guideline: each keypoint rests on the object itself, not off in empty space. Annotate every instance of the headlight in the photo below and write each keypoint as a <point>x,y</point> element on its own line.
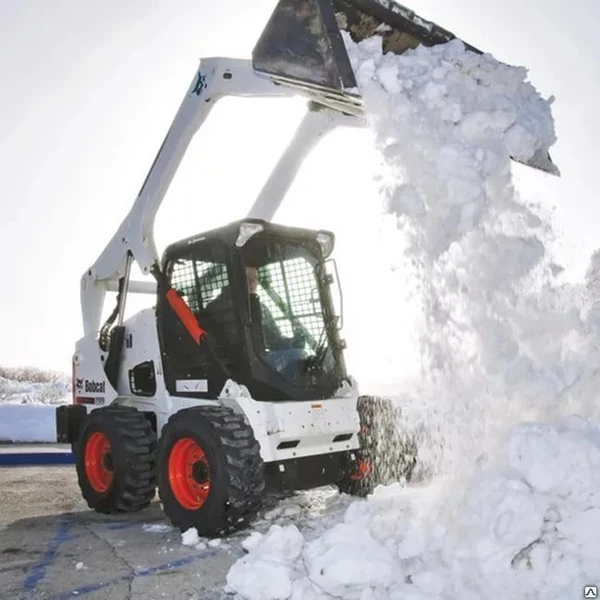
<point>247,230</point>
<point>326,241</point>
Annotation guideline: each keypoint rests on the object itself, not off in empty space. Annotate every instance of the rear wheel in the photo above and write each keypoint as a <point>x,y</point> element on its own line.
<point>385,454</point>
<point>210,473</point>
<point>115,460</point>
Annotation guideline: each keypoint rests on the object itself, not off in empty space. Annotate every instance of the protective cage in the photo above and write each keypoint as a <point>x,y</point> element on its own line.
<point>283,342</point>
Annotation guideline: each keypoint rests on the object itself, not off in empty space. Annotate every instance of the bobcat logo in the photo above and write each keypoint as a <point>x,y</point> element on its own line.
<point>200,84</point>
<point>79,384</point>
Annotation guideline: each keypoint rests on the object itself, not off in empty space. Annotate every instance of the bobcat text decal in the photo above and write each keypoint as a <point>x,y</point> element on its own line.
<point>91,386</point>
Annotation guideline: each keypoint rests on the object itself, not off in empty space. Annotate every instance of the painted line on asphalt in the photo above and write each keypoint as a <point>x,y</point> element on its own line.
<point>94,587</point>
<point>127,525</point>
<point>38,571</point>
<point>35,459</point>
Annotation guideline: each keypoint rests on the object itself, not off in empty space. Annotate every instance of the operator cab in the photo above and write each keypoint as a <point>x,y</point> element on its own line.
<point>263,293</point>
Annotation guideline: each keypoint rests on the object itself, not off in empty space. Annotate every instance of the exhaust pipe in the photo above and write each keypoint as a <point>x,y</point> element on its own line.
<point>301,46</point>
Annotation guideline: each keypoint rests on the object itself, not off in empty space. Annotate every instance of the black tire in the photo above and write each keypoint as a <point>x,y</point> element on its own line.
<point>131,460</point>
<point>231,471</point>
<point>390,455</point>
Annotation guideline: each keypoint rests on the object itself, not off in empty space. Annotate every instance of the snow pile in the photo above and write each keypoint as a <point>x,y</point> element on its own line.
<point>28,408</point>
<point>27,423</point>
<point>267,572</point>
<point>526,527</point>
<point>500,342</point>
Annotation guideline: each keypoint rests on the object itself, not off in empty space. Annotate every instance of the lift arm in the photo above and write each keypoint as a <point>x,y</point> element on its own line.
<point>215,79</point>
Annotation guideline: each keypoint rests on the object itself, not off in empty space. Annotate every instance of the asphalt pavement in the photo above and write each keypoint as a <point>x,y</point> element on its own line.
<point>52,546</point>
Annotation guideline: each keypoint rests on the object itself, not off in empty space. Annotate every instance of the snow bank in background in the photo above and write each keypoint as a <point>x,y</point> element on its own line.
<point>27,409</point>
<point>33,392</point>
<point>525,527</point>
<point>27,423</point>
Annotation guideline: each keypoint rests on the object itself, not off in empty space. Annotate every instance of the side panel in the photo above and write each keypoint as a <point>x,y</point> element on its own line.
<point>91,386</point>
<point>142,350</point>
<point>141,345</point>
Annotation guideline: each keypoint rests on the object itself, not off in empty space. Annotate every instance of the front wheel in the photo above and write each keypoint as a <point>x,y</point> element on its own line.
<point>210,473</point>
<point>115,460</point>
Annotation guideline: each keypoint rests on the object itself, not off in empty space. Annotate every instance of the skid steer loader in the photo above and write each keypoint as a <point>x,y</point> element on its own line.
<point>234,382</point>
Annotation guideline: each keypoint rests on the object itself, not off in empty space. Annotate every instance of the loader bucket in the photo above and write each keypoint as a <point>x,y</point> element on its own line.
<point>301,46</point>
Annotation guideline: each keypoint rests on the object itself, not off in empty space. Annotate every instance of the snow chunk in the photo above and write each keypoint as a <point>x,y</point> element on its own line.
<point>190,537</point>
<point>348,556</point>
<point>266,572</point>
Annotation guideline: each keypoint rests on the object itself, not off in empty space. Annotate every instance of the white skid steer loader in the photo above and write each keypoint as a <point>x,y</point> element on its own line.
<point>234,382</point>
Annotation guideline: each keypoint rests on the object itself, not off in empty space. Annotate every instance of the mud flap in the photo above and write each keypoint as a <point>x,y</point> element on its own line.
<point>69,421</point>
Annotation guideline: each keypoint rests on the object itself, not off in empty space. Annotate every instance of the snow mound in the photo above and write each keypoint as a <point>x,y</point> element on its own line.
<point>502,506</point>
<point>27,423</point>
<point>28,408</point>
<point>525,527</point>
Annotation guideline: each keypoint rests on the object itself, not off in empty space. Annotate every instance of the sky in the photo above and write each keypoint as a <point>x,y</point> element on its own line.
<point>89,90</point>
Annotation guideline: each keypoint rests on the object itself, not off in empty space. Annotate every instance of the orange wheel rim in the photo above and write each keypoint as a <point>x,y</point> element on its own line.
<point>189,474</point>
<point>98,462</point>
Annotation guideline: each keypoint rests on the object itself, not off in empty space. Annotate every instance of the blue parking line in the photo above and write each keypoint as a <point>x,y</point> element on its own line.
<point>35,459</point>
<point>94,587</point>
<point>125,525</point>
<point>38,571</point>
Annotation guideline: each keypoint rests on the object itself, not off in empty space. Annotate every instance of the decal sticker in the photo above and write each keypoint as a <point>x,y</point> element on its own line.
<point>94,387</point>
<point>98,401</point>
<point>191,385</point>
<point>200,84</point>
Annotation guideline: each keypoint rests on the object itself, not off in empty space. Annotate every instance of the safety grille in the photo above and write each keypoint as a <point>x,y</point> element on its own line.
<point>198,281</point>
<point>289,290</point>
